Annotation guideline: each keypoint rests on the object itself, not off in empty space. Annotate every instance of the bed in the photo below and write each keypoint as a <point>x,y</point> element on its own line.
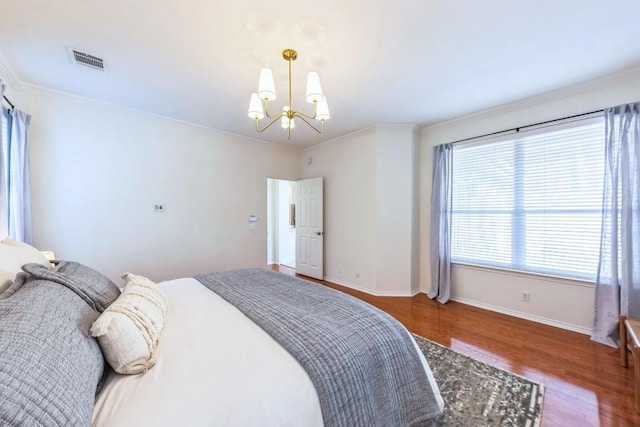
<point>217,363</point>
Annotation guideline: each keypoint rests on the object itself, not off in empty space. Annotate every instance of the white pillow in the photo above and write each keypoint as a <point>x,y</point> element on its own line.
<point>13,255</point>
<point>129,328</point>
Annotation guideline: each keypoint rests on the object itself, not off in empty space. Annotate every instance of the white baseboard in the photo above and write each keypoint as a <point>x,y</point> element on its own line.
<point>495,308</point>
<point>526,316</point>
<point>373,292</point>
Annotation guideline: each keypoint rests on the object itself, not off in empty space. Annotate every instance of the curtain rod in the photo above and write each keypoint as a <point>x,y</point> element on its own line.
<point>8,102</point>
<point>517,129</point>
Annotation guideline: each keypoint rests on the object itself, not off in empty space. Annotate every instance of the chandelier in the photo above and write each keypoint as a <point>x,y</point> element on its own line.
<point>267,92</point>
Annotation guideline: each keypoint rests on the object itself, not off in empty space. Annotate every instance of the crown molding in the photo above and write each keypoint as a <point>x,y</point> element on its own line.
<point>360,132</point>
<point>8,76</point>
<point>396,128</point>
<point>43,91</point>
<point>413,129</point>
<point>624,76</point>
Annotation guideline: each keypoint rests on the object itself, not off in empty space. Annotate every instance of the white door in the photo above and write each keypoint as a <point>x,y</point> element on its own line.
<point>309,228</point>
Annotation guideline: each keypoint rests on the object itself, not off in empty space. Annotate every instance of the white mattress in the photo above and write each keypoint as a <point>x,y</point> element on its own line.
<point>214,367</point>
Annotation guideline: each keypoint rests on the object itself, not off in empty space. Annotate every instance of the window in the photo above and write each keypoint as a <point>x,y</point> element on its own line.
<point>532,201</point>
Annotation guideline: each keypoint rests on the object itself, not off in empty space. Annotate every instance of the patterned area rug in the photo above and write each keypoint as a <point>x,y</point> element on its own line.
<point>477,394</point>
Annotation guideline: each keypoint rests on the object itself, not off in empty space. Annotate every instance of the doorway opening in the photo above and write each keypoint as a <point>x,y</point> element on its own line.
<point>281,223</point>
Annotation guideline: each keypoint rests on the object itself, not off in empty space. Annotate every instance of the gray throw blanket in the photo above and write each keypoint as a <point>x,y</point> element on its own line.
<point>49,363</point>
<point>362,361</point>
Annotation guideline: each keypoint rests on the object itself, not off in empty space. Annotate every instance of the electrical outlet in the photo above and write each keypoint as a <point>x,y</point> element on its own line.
<point>159,207</point>
<point>357,273</point>
<point>526,296</point>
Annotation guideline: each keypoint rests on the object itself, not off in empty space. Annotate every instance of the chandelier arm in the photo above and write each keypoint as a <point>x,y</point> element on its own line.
<point>302,117</point>
<point>299,114</point>
<point>315,112</point>
<point>275,119</point>
<point>266,111</point>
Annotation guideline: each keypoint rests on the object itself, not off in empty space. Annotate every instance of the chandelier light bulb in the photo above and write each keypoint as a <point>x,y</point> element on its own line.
<point>314,89</point>
<point>287,123</point>
<point>322,110</point>
<point>255,107</point>
<point>266,86</point>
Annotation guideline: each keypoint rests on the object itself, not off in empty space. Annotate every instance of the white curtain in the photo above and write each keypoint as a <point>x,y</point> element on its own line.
<point>19,183</point>
<point>15,188</point>
<point>440,239</point>
<point>618,280</point>
<point>4,168</point>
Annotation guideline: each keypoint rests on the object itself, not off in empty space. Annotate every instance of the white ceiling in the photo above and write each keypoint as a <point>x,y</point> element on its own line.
<point>381,62</point>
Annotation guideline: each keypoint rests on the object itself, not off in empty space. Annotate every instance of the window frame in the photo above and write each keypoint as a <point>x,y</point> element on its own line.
<point>519,212</point>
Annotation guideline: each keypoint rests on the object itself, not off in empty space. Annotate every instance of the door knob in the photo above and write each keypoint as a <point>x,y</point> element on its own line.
<point>319,233</point>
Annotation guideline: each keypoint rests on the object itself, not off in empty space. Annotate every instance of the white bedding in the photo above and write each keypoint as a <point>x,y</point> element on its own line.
<point>214,367</point>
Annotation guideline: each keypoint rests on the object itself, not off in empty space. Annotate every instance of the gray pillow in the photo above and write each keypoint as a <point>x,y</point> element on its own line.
<point>49,363</point>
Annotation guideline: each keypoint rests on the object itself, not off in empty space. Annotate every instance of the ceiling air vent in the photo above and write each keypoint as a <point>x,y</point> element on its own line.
<point>86,59</point>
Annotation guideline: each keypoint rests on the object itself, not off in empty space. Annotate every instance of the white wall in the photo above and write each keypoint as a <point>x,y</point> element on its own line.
<point>348,166</point>
<point>395,192</point>
<point>557,302</point>
<point>369,203</point>
<point>97,170</point>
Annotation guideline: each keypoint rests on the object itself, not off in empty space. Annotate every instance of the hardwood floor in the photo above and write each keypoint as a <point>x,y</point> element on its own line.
<point>585,384</point>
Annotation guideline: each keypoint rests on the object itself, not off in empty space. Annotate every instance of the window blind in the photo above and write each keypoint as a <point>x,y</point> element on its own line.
<point>532,201</point>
